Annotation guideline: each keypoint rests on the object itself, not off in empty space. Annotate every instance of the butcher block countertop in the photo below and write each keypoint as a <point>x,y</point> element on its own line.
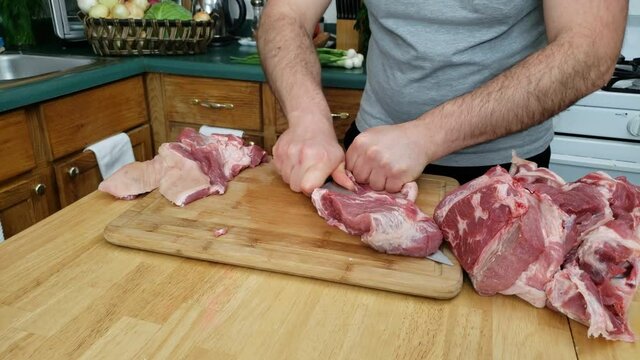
<point>66,293</point>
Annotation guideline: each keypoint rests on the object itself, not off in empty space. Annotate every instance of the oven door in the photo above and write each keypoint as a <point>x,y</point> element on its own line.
<point>573,157</point>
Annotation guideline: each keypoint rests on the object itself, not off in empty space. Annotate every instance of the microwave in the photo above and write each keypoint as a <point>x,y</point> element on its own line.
<point>66,23</point>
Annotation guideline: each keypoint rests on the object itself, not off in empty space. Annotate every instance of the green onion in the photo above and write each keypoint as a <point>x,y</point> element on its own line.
<point>328,57</point>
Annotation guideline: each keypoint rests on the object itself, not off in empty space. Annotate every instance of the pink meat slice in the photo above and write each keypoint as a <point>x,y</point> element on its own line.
<point>192,168</point>
<point>389,223</point>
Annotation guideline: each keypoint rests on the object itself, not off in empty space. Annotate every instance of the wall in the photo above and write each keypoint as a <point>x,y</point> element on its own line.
<point>329,15</point>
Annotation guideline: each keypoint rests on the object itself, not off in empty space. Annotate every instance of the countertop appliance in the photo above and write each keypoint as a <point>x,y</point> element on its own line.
<point>226,28</point>
<point>602,130</point>
<point>66,23</point>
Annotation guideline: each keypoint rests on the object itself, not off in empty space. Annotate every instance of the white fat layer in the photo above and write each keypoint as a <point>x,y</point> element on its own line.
<point>478,211</point>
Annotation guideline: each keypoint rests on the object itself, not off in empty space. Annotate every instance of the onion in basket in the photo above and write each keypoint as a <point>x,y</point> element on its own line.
<point>134,11</point>
<point>99,11</point>
<point>120,12</point>
<point>142,4</point>
<point>86,5</point>
<point>201,16</point>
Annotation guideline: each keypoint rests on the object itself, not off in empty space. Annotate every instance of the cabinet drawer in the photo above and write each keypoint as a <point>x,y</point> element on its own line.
<point>16,156</point>
<point>25,201</point>
<point>79,174</point>
<point>181,93</point>
<point>77,120</point>
<point>343,103</point>
<point>176,129</point>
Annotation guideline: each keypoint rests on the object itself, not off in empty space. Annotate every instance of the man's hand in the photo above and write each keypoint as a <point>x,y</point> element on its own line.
<point>387,157</point>
<point>306,155</point>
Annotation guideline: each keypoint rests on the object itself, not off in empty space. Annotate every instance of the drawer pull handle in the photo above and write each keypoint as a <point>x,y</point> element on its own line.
<point>212,105</point>
<point>340,116</point>
<point>73,171</point>
<point>39,189</point>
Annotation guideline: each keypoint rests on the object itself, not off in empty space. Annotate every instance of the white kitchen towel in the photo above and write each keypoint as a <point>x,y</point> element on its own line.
<point>208,130</point>
<point>112,153</point>
<point>1,233</point>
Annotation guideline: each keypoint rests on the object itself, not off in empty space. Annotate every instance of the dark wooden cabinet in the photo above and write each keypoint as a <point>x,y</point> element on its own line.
<point>79,175</point>
<point>42,161</point>
<point>24,201</point>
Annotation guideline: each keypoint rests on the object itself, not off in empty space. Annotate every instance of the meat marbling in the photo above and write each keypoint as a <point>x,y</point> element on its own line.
<point>389,223</point>
<point>587,263</point>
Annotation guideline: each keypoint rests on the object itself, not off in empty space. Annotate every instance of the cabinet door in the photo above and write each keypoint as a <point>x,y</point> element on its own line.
<point>17,154</point>
<point>25,201</point>
<point>79,174</point>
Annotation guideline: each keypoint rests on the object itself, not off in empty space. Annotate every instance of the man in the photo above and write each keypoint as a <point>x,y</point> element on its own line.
<point>455,84</point>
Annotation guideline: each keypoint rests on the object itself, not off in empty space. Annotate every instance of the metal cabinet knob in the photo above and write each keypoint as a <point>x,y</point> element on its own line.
<point>212,105</point>
<point>633,126</point>
<point>341,116</point>
<point>39,189</point>
<point>73,171</point>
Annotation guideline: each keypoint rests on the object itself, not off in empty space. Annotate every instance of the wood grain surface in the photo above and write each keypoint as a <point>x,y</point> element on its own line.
<point>272,228</point>
<point>66,293</point>
<point>75,121</point>
<point>17,154</point>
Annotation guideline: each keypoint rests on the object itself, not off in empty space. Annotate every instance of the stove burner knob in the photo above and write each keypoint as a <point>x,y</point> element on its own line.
<point>633,126</point>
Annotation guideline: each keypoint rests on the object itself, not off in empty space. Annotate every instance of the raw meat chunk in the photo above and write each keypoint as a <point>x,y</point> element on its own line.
<point>389,223</point>
<point>503,235</point>
<point>587,264</point>
<point>192,168</point>
<point>603,274</point>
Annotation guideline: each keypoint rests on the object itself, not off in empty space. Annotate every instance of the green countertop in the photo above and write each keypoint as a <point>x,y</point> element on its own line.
<point>215,64</point>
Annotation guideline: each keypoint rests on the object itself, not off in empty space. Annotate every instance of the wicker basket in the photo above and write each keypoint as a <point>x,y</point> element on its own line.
<point>125,37</point>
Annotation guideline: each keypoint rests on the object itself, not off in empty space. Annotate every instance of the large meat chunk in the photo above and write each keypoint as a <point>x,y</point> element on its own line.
<point>506,238</point>
<point>597,285</point>
<point>389,223</point>
<point>190,169</point>
<point>588,265</point>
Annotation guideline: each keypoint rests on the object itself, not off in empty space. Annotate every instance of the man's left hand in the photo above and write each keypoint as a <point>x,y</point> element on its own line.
<point>387,157</point>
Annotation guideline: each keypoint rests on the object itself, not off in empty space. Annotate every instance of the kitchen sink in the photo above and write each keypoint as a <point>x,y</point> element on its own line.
<point>22,66</point>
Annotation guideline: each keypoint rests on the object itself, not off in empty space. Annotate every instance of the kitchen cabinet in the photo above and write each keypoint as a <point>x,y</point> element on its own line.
<point>176,102</point>
<point>24,201</point>
<point>79,175</point>
<point>43,163</point>
<point>17,155</point>
<point>343,104</point>
<point>75,121</point>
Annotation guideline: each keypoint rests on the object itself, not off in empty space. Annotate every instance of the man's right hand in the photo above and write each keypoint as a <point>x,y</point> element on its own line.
<point>305,156</point>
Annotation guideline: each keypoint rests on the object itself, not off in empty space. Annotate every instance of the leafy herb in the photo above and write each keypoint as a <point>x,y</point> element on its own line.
<point>15,21</point>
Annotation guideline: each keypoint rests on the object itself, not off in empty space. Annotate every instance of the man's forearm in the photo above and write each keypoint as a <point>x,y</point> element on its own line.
<point>291,66</point>
<point>532,91</point>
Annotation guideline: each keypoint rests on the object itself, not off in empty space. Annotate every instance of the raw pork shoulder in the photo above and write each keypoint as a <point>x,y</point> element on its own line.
<point>389,223</point>
<point>190,169</point>
<point>572,246</point>
<point>507,239</point>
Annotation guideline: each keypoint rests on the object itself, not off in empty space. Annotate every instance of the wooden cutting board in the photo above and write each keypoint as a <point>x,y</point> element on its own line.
<point>272,228</point>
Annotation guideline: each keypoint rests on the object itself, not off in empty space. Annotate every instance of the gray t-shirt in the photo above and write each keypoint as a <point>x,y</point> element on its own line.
<point>423,53</point>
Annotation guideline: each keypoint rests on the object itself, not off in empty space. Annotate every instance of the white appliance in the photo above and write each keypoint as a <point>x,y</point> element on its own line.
<point>602,130</point>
